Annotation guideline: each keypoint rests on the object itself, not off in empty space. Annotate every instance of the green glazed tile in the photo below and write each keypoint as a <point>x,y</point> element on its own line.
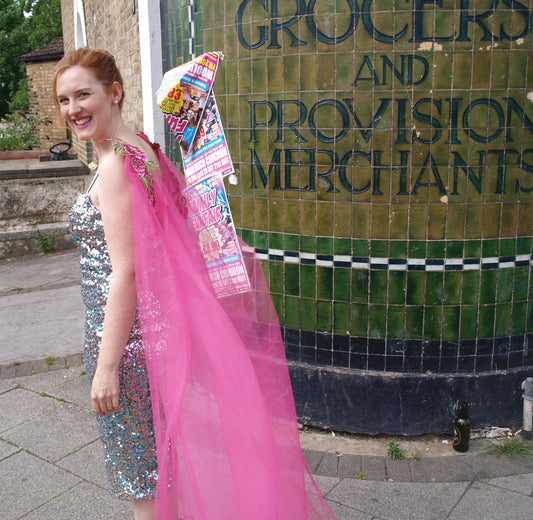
<point>292,312</point>
<point>453,281</point>
<point>308,280</point>
<point>378,286</point>
<point>469,319</point>
<point>307,314</point>
<point>503,319</point>
<point>414,321</point>
<point>454,249</point>
<point>277,300</point>
<point>361,248</point>
<point>379,248</point>
<point>377,321</point>
<point>308,244</point>
<point>436,249</point>
<point>324,283</point>
<point>432,322</point>
<point>489,279</point>
<point>342,283</point>
<point>523,245</point>
<point>416,288</point>
<point>434,288</point>
<point>341,318</point>
<point>359,320</point>
<point>397,287</point>
<point>275,241</point>
<point>417,249</point>
<point>490,248</point>
<point>470,287</point>
<point>472,248</point>
<point>292,279</point>
<point>505,285</point>
<point>276,277</point>
<point>507,246</point>
<point>360,281</point>
<point>521,280</point>
<point>324,245</point>
<point>261,239</point>
<point>398,249</point>
<point>450,322</point>
<point>342,246</point>
<point>292,242</point>
<point>487,313</point>
<point>396,322</point>
<point>519,318</point>
<point>324,316</point>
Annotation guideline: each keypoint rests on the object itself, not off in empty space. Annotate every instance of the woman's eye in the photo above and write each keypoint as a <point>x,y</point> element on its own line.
<point>62,101</point>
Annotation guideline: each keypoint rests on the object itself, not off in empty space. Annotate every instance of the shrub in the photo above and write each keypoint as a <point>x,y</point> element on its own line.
<point>17,132</point>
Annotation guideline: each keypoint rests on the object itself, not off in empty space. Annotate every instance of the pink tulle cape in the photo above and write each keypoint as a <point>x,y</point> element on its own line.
<point>224,417</point>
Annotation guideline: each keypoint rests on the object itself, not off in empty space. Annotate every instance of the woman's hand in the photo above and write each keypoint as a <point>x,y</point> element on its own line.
<point>105,391</point>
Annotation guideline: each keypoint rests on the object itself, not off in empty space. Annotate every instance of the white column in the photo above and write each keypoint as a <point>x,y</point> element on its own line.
<point>151,68</point>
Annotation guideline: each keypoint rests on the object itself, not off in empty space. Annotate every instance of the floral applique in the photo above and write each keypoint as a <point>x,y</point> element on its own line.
<point>140,164</point>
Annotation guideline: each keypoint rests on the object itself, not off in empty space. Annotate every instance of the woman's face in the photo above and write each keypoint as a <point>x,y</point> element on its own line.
<point>87,105</point>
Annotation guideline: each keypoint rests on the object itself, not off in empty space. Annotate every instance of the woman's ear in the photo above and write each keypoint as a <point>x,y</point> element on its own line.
<point>116,92</point>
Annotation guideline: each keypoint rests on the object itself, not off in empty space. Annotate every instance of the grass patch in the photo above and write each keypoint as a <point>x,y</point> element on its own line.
<point>514,446</point>
<point>50,361</point>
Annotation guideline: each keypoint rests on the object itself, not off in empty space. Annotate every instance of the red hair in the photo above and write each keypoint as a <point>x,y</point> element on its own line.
<point>101,62</point>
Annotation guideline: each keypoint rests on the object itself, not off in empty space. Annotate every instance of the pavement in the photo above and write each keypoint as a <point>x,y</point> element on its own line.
<point>51,463</point>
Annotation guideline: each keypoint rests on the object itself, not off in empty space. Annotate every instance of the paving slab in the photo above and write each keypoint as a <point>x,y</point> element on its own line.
<point>41,324</point>
<point>350,466</point>
<point>448,469</point>
<point>55,433</point>
<point>520,483</point>
<point>399,500</point>
<point>343,512</point>
<point>373,468</point>
<point>26,482</point>
<point>40,272</point>
<point>492,503</point>
<point>88,463</point>
<point>19,406</point>
<point>490,465</point>
<point>70,384</point>
<point>6,449</point>
<point>83,502</point>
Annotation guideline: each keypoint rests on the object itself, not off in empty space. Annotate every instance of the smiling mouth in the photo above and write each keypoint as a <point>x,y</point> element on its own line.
<point>83,122</point>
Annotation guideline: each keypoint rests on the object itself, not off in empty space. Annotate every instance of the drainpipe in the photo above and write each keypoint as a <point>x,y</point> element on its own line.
<point>527,387</point>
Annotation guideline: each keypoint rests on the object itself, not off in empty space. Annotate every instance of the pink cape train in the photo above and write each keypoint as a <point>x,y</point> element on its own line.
<point>224,416</point>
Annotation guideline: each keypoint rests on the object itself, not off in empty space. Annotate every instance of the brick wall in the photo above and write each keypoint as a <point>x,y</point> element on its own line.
<point>40,76</point>
<point>112,25</point>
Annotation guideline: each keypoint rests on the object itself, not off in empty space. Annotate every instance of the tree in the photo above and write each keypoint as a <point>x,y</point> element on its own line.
<point>25,25</point>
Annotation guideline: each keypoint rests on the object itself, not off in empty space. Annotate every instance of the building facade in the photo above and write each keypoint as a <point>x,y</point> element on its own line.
<point>384,153</point>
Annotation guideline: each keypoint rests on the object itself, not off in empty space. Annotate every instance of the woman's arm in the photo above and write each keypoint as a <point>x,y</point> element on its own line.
<point>115,208</point>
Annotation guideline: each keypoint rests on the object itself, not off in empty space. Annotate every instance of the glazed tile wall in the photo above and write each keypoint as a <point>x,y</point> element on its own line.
<point>385,157</point>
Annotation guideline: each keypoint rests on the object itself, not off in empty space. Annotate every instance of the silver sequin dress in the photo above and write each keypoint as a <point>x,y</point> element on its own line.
<point>127,435</point>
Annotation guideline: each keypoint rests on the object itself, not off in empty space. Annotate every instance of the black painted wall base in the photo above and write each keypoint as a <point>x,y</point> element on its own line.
<point>371,402</point>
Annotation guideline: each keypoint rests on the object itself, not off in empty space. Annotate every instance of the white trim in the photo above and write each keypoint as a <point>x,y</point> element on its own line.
<point>80,30</point>
<point>151,68</point>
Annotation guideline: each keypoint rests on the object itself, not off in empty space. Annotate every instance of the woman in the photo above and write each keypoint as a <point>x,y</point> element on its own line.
<point>223,413</point>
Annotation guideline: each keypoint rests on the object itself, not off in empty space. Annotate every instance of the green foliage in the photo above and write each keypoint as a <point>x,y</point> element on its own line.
<point>45,243</point>
<point>513,446</point>
<point>393,450</point>
<point>17,132</point>
<point>25,25</point>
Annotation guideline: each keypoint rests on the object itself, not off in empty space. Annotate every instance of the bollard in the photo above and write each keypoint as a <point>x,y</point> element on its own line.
<point>527,387</point>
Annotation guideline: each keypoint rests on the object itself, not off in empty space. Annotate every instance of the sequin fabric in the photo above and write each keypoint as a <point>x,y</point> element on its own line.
<point>127,435</point>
